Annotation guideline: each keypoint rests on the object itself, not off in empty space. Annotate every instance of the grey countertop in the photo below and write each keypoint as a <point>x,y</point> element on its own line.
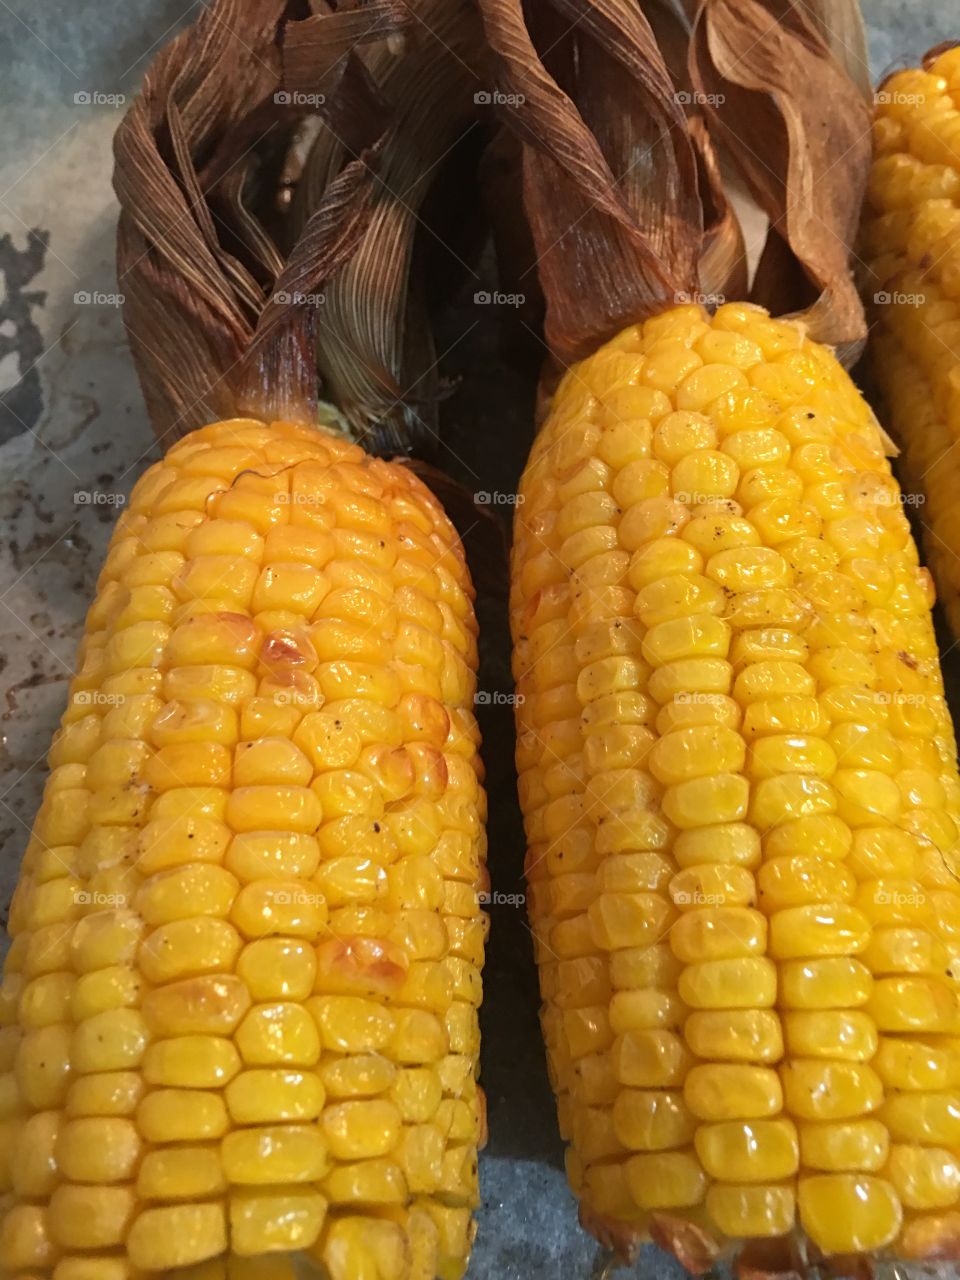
<point>72,424</point>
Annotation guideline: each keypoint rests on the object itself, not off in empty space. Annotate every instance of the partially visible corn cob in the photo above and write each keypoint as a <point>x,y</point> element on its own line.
<point>739,782</point>
<point>911,241</point>
<point>239,1013</point>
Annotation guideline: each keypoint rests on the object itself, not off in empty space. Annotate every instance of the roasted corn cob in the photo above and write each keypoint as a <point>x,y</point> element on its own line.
<point>240,1008</point>
<point>739,782</point>
<point>911,241</point>
<point>737,768</point>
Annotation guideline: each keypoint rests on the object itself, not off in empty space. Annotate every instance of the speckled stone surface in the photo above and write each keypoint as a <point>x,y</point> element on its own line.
<point>73,438</point>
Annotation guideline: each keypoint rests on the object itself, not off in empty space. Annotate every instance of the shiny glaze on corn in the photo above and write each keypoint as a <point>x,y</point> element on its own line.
<point>239,1013</point>
<point>738,777</point>
<point>911,242</point>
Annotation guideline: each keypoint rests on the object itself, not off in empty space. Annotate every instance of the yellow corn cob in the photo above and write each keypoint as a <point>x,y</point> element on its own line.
<point>239,1011</point>
<point>911,241</point>
<point>739,783</point>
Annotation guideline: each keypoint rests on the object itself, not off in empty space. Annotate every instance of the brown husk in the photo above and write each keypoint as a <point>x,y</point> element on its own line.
<point>609,171</point>
<point>375,353</point>
<point>798,128</point>
<point>226,283</point>
<point>622,185</point>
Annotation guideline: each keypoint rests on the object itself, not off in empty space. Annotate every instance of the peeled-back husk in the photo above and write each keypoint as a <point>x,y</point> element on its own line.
<point>621,171</point>
<point>240,301</point>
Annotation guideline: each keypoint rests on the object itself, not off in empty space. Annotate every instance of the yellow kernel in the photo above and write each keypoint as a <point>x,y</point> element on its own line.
<point>848,1213</point>
<point>188,946</point>
<point>274,1154</point>
<point>748,1150</point>
<point>843,1145</point>
<point>181,1173</point>
<point>830,1033</point>
<point>209,1005</point>
<point>652,1120</point>
<point>177,1235</point>
<point>751,1211</point>
<point>730,984</point>
<point>666,1180</point>
<point>82,1217</point>
<point>278,1033</point>
<point>718,1091</point>
<point>817,1090</point>
<point>799,932</point>
<point>191,1062</point>
<point>737,1035</point>
<point>273,1220</point>
<point>98,1150</point>
<point>924,1177</point>
<point>833,982</point>
<point>182,1115</point>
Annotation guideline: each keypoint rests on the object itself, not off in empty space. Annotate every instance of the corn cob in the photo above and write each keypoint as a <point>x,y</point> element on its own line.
<point>910,237</point>
<point>238,1022</point>
<point>738,777</point>
<point>239,1010</point>
<point>736,764</point>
